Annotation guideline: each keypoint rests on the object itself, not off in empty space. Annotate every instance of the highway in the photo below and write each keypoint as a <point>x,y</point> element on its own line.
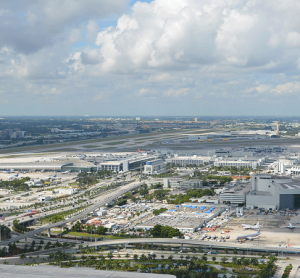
<point>22,218</point>
<point>201,243</point>
<point>105,199</point>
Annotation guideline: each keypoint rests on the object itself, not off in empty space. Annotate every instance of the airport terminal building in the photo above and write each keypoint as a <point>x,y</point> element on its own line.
<point>274,192</point>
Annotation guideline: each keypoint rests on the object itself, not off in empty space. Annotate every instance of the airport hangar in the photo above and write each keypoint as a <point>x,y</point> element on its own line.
<point>274,192</point>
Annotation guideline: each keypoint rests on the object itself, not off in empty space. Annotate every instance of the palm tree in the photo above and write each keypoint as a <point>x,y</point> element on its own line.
<point>181,257</point>
<point>162,256</point>
<point>127,255</point>
<point>214,259</point>
<point>187,257</point>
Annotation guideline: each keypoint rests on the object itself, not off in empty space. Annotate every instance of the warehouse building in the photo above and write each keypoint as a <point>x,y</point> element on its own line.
<point>274,192</point>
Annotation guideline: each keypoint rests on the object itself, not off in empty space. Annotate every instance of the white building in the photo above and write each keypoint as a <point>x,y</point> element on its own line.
<point>190,160</point>
<point>235,194</point>
<point>154,167</point>
<point>245,162</point>
<point>182,183</point>
<point>44,198</point>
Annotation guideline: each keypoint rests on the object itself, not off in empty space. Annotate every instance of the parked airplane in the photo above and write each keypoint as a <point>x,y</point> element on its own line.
<point>290,226</point>
<point>13,176</point>
<point>141,151</point>
<point>250,237</point>
<point>66,172</point>
<point>52,177</point>
<point>246,226</point>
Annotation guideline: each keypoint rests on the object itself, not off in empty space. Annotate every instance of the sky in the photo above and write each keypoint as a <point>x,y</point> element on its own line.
<point>150,58</point>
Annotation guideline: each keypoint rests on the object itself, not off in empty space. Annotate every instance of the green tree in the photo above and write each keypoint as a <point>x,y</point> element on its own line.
<point>224,260</point>
<point>23,257</point>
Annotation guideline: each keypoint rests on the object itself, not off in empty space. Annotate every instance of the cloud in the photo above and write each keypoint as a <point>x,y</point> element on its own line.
<point>231,53</point>
<point>143,92</point>
<point>287,88</point>
<point>176,92</point>
<point>101,96</point>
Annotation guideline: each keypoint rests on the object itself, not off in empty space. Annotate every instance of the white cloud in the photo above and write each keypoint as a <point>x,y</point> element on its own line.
<point>287,88</point>
<point>263,88</point>
<point>176,92</point>
<point>180,49</point>
<point>143,92</point>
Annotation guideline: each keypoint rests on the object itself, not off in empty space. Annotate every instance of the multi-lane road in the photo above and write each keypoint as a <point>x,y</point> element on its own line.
<point>201,243</point>
<point>103,200</point>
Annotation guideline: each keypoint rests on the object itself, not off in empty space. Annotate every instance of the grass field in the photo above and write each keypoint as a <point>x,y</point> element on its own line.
<point>84,234</point>
<point>116,143</point>
<point>91,146</point>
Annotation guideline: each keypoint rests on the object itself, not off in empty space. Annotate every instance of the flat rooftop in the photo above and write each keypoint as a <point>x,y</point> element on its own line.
<point>8,271</point>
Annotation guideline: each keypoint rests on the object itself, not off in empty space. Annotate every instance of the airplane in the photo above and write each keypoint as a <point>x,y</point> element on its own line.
<point>290,226</point>
<point>210,140</point>
<point>52,177</point>
<point>13,176</point>
<point>201,140</point>
<point>66,172</point>
<point>249,237</point>
<point>141,151</point>
<point>246,226</point>
<point>225,139</point>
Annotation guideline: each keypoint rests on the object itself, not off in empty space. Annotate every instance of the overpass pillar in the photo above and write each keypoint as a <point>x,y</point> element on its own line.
<point>49,233</point>
<point>181,246</point>
<point>152,245</point>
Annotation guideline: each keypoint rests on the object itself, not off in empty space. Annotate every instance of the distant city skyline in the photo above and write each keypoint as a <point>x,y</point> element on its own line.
<point>160,58</point>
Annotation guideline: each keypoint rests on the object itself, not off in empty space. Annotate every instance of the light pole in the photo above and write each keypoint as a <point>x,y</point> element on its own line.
<point>91,233</point>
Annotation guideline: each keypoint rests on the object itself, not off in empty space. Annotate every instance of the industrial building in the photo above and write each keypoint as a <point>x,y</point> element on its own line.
<point>187,218</point>
<point>274,192</point>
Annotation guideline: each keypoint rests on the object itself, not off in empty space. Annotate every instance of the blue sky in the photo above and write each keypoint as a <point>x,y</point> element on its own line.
<point>162,57</point>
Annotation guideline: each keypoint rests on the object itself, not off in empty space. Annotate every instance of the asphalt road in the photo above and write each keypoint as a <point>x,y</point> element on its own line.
<point>196,242</point>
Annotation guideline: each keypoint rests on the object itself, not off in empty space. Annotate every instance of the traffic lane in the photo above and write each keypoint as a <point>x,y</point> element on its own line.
<point>86,211</point>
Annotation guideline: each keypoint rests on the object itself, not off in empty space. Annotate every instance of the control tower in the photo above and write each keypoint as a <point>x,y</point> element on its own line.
<point>277,130</point>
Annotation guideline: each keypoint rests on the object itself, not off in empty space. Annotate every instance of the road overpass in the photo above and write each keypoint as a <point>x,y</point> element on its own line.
<point>199,243</point>
<point>106,199</point>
